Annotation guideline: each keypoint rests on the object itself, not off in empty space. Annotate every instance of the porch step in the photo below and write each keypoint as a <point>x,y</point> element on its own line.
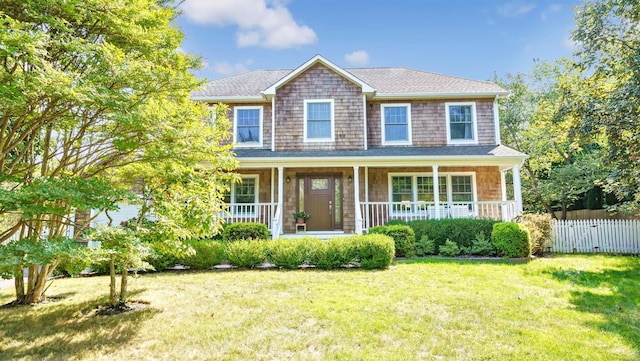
<point>317,234</point>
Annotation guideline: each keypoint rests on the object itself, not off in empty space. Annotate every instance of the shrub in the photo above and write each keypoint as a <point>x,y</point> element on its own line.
<point>403,236</point>
<point>540,228</point>
<point>206,254</point>
<point>482,246</point>
<point>396,222</point>
<point>374,251</point>
<point>425,246</point>
<point>291,253</point>
<point>459,230</point>
<point>160,257</point>
<point>249,230</point>
<point>246,253</point>
<point>449,249</point>
<point>332,253</point>
<point>511,240</point>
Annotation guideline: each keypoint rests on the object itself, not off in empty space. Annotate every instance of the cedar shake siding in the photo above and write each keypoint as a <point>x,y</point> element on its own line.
<point>429,122</point>
<point>319,82</point>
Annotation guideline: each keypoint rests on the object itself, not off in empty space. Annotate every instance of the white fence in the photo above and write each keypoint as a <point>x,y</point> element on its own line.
<point>597,236</point>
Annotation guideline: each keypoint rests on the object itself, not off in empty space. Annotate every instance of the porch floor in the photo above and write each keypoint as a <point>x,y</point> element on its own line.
<point>317,234</point>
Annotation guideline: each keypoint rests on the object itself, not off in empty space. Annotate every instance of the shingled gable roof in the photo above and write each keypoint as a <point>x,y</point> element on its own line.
<point>385,82</point>
<point>270,91</point>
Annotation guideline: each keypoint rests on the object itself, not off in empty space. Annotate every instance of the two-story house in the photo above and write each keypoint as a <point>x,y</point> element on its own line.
<point>355,148</point>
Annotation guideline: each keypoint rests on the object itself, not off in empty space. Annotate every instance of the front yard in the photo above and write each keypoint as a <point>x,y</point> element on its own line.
<point>562,308</point>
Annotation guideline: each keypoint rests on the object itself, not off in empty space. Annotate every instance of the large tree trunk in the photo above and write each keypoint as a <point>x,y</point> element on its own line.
<point>112,272</point>
<point>123,284</point>
<point>19,285</point>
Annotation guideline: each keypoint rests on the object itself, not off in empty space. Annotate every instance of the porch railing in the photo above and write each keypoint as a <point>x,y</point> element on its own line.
<point>251,212</point>
<point>379,213</point>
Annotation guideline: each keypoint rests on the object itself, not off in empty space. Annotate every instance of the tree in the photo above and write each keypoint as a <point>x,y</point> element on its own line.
<point>539,119</point>
<point>95,93</point>
<point>608,35</point>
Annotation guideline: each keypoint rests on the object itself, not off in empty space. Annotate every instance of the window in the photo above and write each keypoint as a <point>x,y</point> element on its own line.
<point>406,190</point>
<point>396,123</point>
<point>247,123</point>
<point>318,120</point>
<point>461,123</point>
<point>243,196</point>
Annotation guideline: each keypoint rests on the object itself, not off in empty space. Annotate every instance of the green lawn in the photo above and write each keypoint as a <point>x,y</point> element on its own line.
<point>563,308</point>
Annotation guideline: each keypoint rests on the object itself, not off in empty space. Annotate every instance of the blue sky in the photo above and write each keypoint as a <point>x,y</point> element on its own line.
<point>471,39</point>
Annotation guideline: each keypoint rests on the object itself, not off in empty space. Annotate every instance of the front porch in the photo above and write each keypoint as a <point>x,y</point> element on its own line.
<point>374,214</point>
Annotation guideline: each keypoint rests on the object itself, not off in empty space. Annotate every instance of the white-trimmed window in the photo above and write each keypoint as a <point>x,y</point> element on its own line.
<point>396,123</point>
<point>244,195</point>
<point>247,126</point>
<point>318,120</point>
<point>462,125</point>
<point>415,191</point>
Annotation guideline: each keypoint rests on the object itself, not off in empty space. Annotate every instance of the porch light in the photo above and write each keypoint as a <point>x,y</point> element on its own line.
<point>288,180</point>
<point>350,179</point>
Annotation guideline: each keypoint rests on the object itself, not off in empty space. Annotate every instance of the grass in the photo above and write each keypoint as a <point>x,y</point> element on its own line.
<point>563,308</point>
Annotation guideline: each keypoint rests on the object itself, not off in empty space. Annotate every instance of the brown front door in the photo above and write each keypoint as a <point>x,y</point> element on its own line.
<point>322,200</point>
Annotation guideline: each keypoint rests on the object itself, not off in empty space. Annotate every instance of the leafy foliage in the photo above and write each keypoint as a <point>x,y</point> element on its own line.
<point>511,240</point>
<point>403,236</point>
<point>290,253</point>
<point>245,230</point>
<point>608,32</point>
<point>206,254</point>
<point>538,119</point>
<point>246,253</point>
<point>449,249</point>
<point>373,251</point>
<point>540,229</point>
<point>482,246</point>
<point>425,246</point>
<point>90,106</point>
<point>459,230</point>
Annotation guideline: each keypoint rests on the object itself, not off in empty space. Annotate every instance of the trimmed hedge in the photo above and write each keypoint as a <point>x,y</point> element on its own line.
<point>540,229</point>
<point>462,231</point>
<point>403,236</point>
<point>249,230</point>
<point>332,253</point>
<point>291,253</point>
<point>246,253</point>
<point>207,254</point>
<point>373,251</point>
<point>511,240</point>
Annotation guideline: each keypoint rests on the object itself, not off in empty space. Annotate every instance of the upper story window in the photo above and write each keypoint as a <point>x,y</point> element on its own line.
<point>396,123</point>
<point>247,126</point>
<point>318,120</point>
<point>462,125</point>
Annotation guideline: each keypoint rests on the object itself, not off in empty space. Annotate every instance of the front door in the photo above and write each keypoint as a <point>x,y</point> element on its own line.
<point>320,196</point>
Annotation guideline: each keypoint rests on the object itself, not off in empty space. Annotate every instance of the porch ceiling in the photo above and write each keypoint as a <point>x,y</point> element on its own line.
<point>491,155</point>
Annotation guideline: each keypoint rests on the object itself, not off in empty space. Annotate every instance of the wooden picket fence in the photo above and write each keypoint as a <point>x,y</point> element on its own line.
<point>619,236</point>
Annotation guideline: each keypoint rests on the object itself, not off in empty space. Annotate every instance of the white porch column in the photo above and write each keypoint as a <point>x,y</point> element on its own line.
<point>356,196</point>
<point>436,190</point>
<point>517,188</point>
<point>278,228</point>
<point>503,185</point>
<point>366,197</point>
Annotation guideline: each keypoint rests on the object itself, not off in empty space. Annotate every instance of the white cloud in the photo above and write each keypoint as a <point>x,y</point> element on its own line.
<point>570,44</point>
<point>225,68</point>
<point>359,58</point>
<point>549,10</point>
<point>515,8</point>
<point>264,23</point>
